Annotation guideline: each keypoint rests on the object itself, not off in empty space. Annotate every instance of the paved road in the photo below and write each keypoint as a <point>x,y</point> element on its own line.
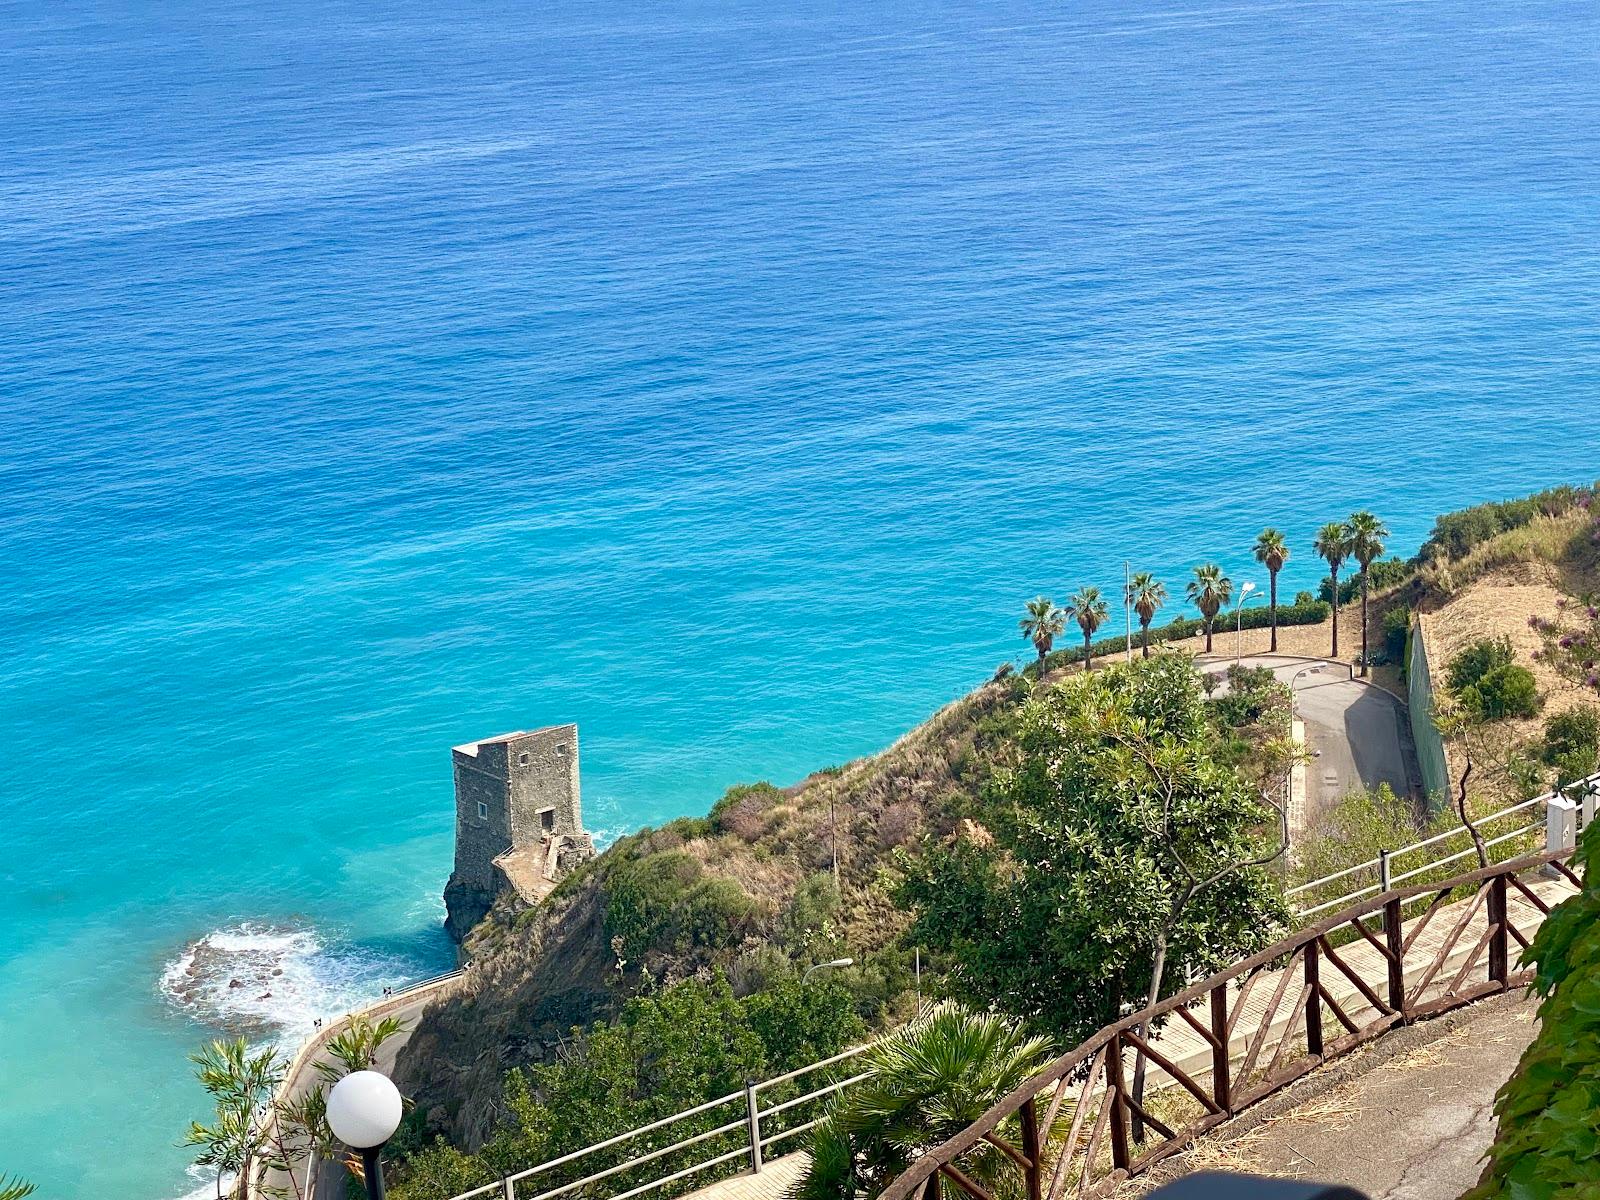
<point>1359,735</point>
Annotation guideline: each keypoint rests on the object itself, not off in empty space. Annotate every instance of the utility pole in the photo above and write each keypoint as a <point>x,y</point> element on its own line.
<point>833,843</point>
<point>1127,606</point>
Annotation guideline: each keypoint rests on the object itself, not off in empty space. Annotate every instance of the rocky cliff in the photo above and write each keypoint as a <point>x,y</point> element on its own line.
<point>752,883</point>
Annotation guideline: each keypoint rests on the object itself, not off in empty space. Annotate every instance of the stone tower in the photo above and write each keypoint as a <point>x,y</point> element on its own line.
<point>519,824</point>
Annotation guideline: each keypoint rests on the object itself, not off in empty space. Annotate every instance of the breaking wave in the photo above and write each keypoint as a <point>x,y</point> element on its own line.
<point>271,983</point>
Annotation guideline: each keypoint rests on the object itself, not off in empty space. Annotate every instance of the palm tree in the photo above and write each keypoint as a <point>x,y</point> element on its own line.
<point>14,1189</point>
<point>1208,591</point>
<point>1043,624</point>
<point>1333,545</point>
<point>924,1083</point>
<point>1088,608</point>
<point>1147,594</point>
<point>1366,544</point>
<point>1272,552</point>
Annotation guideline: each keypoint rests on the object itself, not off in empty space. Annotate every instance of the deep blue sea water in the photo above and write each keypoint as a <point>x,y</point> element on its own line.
<point>721,376</point>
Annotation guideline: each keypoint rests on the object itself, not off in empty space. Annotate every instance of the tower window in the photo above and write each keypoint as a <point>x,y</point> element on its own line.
<point>483,811</point>
<point>522,760</point>
<point>547,819</point>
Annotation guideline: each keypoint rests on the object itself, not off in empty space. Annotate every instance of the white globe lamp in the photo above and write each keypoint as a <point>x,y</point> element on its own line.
<point>363,1112</point>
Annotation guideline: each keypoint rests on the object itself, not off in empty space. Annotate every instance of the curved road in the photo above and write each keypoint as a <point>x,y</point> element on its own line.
<point>1359,735</point>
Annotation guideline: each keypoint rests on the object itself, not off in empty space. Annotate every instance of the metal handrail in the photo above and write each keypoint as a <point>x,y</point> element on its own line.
<point>755,1142</point>
<point>1589,782</point>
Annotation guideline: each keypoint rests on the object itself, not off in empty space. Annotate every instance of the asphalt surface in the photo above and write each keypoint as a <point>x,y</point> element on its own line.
<point>1358,734</point>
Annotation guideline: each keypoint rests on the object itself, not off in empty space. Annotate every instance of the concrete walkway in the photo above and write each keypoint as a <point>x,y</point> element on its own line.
<point>1358,734</point>
<point>1406,1122</point>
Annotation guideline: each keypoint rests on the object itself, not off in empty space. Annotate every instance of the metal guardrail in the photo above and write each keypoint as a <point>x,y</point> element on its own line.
<point>743,1106</point>
<point>1396,974</point>
<point>1562,819</point>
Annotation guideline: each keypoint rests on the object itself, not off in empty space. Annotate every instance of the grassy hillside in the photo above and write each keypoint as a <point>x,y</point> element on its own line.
<point>748,890</point>
<point>777,878</point>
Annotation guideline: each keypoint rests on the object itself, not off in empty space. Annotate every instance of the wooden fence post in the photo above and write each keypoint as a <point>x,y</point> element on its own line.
<point>930,1190</point>
<point>1119,1104</point>
<point>1221,1069</point>
<point>1393,939</point>
<point>1499,949</point>
<point>1313,1001</point>
<point>1031,1148</point>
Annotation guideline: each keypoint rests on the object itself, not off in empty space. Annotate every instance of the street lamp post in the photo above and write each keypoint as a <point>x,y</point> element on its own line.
<point>838,962</point>
<point>1238,621</point>
<point>363,1112</point>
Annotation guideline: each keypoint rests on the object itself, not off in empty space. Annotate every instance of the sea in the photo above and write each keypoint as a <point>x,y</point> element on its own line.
<point>720,375</point>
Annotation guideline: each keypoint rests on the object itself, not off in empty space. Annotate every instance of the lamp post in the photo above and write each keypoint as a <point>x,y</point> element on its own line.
<point>838,962</point>
<point>1238,620</point>
<point>364,1112</point>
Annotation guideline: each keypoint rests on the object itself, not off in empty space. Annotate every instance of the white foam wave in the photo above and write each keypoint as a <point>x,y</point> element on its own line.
<point>273,982</point>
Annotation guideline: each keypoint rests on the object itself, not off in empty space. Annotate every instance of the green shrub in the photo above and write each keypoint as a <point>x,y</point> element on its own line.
<point>1477,660</point>
<point>1572,743</point>
<point>1454,534</point>
<point>1544,1146</point>
<point>1505,691</point>
<point>666,902</point>
<point>1386,573</point>
<point>1396,633</point>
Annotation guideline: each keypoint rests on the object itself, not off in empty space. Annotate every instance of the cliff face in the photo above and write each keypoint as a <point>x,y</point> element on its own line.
<point>749,885</point>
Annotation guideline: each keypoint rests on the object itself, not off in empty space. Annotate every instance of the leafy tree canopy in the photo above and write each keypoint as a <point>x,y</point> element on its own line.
<point>1118,830</point>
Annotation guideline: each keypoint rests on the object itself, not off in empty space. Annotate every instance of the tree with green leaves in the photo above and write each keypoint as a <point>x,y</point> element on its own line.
<point>14,1189</point>
<point>1208,591</point>
<point>236,1145</point>
<point>924,1083</point>
<point>1043,624</point>
<point>666,1051</point>
<point>257,1135</point>
<point>1545,1144</point>
<point>1332,545</point>
<point>1122,856</point>
<point>1147,594</point>
<point>1366,543</point>
<point>1272,551</point>
<point>1088,608</point>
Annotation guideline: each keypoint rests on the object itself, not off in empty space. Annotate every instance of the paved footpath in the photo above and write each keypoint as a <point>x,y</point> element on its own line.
<point>1408,1125</point>
<point>1457,1111</point>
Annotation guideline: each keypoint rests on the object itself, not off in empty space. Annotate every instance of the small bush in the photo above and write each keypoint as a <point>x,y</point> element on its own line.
<point>1505,691</point>
<point>742,810</point>
<point>1396,633</point>
<point>1476,661</point>
<point>1572,743</point>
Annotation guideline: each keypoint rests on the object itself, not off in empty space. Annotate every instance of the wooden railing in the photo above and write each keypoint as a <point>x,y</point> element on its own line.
<point>1082,1125</point>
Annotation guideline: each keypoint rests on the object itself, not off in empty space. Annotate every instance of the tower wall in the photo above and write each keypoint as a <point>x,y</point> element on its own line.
<point>519,819</point>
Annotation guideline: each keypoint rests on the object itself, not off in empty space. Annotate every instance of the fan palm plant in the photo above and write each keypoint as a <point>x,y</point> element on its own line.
<point>1043,624</point>
<point>1208,591</point>
<point>1089,609</point>
<point>924,1083</point>
<point>1332,545</point>
<point>1366,545</point>
<point>1147,594</point>
<point>14,1189</point>
<point>1272,551</point>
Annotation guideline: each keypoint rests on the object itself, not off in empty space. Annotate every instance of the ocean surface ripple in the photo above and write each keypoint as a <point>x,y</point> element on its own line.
<point>719,376</point>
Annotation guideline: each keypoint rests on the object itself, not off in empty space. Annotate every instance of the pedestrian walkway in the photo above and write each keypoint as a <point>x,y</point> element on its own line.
<point>1458,951</point>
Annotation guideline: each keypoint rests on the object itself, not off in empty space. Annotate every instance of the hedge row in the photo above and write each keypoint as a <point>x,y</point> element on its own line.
<point>1303,612</point>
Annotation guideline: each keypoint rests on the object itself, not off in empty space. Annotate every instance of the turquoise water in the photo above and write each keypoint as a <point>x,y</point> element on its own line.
<point>719,376</point>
